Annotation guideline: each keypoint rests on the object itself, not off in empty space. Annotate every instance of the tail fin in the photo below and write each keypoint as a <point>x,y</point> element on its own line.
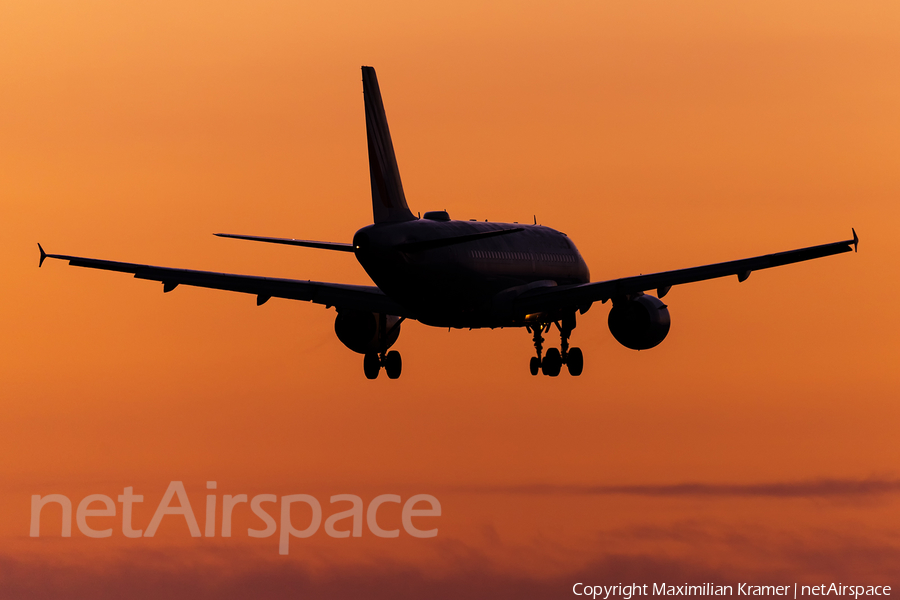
<point>388,200</point>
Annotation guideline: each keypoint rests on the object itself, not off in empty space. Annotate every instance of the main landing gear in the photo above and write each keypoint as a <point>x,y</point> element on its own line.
<point>552,362</point>
<point>386,331</point>
<point>372,364</point>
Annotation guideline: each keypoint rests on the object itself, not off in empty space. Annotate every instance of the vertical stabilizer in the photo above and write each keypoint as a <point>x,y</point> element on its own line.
<point>388,200</point>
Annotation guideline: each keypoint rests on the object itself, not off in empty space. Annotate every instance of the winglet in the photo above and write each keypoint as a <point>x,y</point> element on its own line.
<point>855,240</point>
<point>43,256</point>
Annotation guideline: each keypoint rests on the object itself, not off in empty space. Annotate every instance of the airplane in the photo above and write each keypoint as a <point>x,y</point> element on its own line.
<point>461,274</point>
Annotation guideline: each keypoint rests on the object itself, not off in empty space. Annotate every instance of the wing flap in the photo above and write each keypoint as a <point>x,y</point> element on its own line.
<point>450,241</point>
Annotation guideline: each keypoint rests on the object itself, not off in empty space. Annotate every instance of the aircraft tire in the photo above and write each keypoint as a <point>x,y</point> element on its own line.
<point>371,366</point>
<point>552,363</point>
<point>393,364</point>
<point>535,365</point>
<point>575,362</point>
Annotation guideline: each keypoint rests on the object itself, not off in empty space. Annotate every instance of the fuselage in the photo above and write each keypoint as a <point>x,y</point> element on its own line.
<point>470,283</point>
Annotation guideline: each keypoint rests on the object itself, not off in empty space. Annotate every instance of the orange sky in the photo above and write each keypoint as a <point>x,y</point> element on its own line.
<point>656,135</point>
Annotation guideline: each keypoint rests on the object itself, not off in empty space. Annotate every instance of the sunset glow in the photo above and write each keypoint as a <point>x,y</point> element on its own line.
<point>757,443</point>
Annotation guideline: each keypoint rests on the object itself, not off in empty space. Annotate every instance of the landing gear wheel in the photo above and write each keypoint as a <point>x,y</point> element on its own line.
<point>392,364</point>
<point>575,362</point>
<point>535,365</point>
<point>552,363</point>
<point>371,365</point>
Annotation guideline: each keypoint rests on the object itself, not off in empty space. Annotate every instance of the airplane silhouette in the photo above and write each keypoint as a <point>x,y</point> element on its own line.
<point>471,274</point>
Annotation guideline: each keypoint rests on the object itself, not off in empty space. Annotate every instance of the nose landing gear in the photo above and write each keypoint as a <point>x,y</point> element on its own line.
<point>551,364</point>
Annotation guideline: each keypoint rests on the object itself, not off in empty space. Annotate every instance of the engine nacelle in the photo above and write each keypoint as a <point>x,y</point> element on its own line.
<point>362,331</point>
<point>640,323</point>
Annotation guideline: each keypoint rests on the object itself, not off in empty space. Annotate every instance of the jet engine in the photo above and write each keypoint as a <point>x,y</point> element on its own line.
<point>362,332</point>
<point>639,323</point>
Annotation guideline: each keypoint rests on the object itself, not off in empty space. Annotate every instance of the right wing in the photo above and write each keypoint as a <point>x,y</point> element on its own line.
<point>354,297</point>
<point>583,295</point>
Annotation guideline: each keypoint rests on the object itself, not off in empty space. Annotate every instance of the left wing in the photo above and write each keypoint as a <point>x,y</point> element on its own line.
<point>357,297</point>
<point>581,296</point>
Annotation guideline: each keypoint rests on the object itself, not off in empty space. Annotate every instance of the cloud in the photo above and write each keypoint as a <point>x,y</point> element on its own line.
<point>821,488</point>
<point>236,573</point>
<point>273,580</point>
<point>696,549</point>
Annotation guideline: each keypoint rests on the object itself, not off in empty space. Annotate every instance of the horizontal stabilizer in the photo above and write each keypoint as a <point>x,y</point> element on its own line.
<point>290,242</point>
<point>449,241</point>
